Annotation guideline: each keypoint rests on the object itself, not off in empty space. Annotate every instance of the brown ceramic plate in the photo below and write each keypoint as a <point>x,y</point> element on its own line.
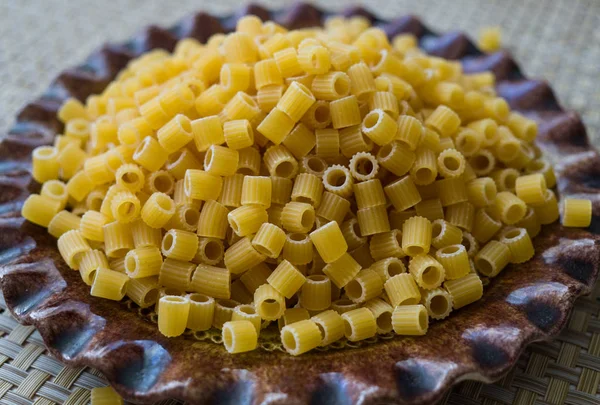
<point>525,303</point>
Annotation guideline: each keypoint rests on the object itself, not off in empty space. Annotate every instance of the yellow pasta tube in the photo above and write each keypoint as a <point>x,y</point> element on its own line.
<point>484,226</point>
<point>201,185</point>
<point>576,213</point>
<point>424,169</point>
<point>70,159</point>
<point>143,262</point>
<point>388,267</point>
<point>269,303</point>
<point>443,120</point>
<point>397,218</point>
<point>481,192</point>
<point>213,222</point>
<point>231,195</point>
<point>530,222</point>
<point>300,337</point>
<point>382,311</point>
<point>331,86</point>
<point>280,162</point>
<point>363,166</point>
<point>202,309</point>
<point>531,188</point>
<point>91,225</point>
<point>287,62</point>
<point>143,291</point>
<point>352,141</point>
<point>79,186</point>
<point>247,219</point>
<point>175,134</point>
<point>379,127</point>
<point>212,281</point>
<point>160,181</point>
<point>207,131</point>
<point>175,274</point>
<point>327,143</point>
<point>411,320</point>
<point>63,222</point>
<point>359,324</point>
<point>173,313</point>
<point>547,212</point>
<point>314,59</point>
<point>344,305</point>
<point>455,260</point>
<point>292,315</point>
<point>492,258</point>
<point>210,251</point>
<point>437,302</point>
<point>428,272</point>
<point>545,168</point>
<point>298,249</point>
<point>337,179</point>
<point>125,207</point>
<point>444,234</point>
<point>519,243</point>
<point>342,271</point>
<point>239,336</point>
<point>416,236</point>
<point>240,107</point>
<point>248,313</point>
<point>329,242</point>
<point>109,284</point>
<point>224,312</point>
<point>286,279</point>
<point>318,115</point>
<point>130,177</point>
<point>238,134</point>
<point>90,261</point>
<point>308,188</point>
<point>431,209</point>
<point>508,208</point>
<point>72,246</point>
<point>465,290</point>
<point>158,210</point>
<point>269,240</point>
<point>296,101</point>
<point>365,286</point>
<point>331,325</point>
<point>451,163</point>
<point>256,191</point>
<point>298,217</point>
<point>221,161</point>
<point>45,165</point>
<point>403,193</point>
<point>345,112</point>
<point>361,79</point>
<point>385,101</point>
<point>276,126</point>
<point>461,215</point>
<point>268,96</point>
<point>179,245</point>
<point>316,293</point>
<point>150,154</point>
<point>185,218</point>
<point>373,220</point>
<point>235,76</point>
<point>409,133</point>
<point>333,207</point>
<point>255,277</point>
<point>402,289</point>
<point>451,191</point>
<point>242,256</point>
<point>468,141</point>
<point>386,244</point>
<point>300,141</point>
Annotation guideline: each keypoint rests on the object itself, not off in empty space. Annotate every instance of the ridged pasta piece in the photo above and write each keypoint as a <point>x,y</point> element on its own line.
<point>481,191</point>
<point>79,186</point>
<point>361,79</point>
<point>160,181</point>
<point>402,289</point>
<point>411,320</point>
<point>451,163</point>
<point>207,131</point>
<point>185,218</point>
<point>461,215</point>
<point>240,107</point>
<point>118,239</point>
<point>300,141</point>
<point>543,167</point>
<point>298,217</point>
<point>416,236</point>
<point>492,258</point>
<point>175,134</point>
<point>431,209</point>
<point>109,284</point>
<point>576,213</point>
<point>519,243</point>
<point>338,180</point>
<point>468,141</point>
<point>55,190</point>
<point>484,226</point>
<point>409,133</point>
<point>352,141</point>
<point>424,169</point>
<point>382,311</point>
<point>224,312</point>
<point>465,290</point>
<point>369,194</point>
<point>455,260</point>
<point>213,221</point>
<point>176,274</point>
<point>403,193</point>
<point>210,251</point>
<point>363,166</point>
<point>179,245</point>
<point>247,312</point>
<point>202,309</point>
<point>396,158</point>
<point>530,222</point>
<point>329,242</point>
<point>362,255</point>
<point>247,219</point>
<point>352,234</point>
<point>269,303</point>
<point>508,208</point>
<point>437,302</point>
<point>359,324</point>
<point>239,336</point>
<point>388,267</point>
<point>316,293</point>
<point>221,161</point>
<point>125,207</point>
<point>238,134</point>
<point>345,112</point>
<point>292,315</point>
<point>280,162</point>
<point>63,222</point>
<point>90,261</point>
<point>531,188</point>
<point>308,188</point>
<point>318,115</point>
<point>130,177</point>
<point>331,86</point>
<point>373,220</point>
<point>365,286</point>
<point>331,326</point>
<point>333,207</point>
<point>201,185</point>
<point>397,218</point>
<point>255,277</point>
<point>452,191</point>
<point>276,126</point>
<point>547,212</point>
<point>379,127</point>
<point>143,262</point>
<point>300,337</point>
<point>269,240</point>
<point>173,314</point>
<point>143,291</point>
<point>342,271</point>
<point>443,120</point>
<point>327,143</point>
<point>298,249</point>
<point>150,155</point>
<point>286,279</point>
<point>212,281</point>
<point>386,244</point>
<point>427,272</point>
<point>256,191</point>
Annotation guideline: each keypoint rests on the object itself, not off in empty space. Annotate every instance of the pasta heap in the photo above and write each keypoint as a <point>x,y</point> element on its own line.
<point>326,179</point>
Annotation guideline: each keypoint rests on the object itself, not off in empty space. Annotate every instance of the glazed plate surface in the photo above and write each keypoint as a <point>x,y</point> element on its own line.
<point>525,303</point>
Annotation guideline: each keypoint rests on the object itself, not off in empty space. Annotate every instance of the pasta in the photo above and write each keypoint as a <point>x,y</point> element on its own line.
<point>359,324</point>
<point>298,248</point>
<point>396,158</point>
<point>239,336</point>
<point>464,290</point>
<point>485,226</point>
<point>241,256</point>
<point>105,396</point>
<point>386,244</point>
<point>143,262</point>
<point>270,304</point>
<point>576,213</point>
<point>327,143</point>
<point>379,127</point>
<point>365,286</point>
<point>256,191</point>
<point>213,221</point>
<point>173,314</point>
<point>344,112</point>
<point>300,337</point>
<point>269,240</point>
<point>352,141</point>
<point>519,244</point>
<point>63,222</point>
<point>143,291</point>
<point>316,293</point>
<point>461,215</point>
<point>338,180</point>
<point>109,284</point>
<point>416,236</point>
<point>363,166</point>
<point>286,279</point>
<point>402,289</point>
<point>431,209</point>
<point>403,193</point>
<point>202,309</point>
<point>300,141</point>
<point>212,281</point>
<point>333,207</point>
<point>221,161</point>
<point>373,220</point>
<point>308,188</point>
<point>176,274</point>
<point>410,320</point>
<point>297,217</point>
<point>438,303</point>
<point>329,242</point>
<point>224,312</point>
<point>342,271</point>
<point>292,315</point>
<point>179,245</point>
<point>428,272</point>
<point>508,208</point>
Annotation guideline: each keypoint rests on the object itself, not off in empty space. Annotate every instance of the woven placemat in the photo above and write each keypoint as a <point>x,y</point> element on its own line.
<point>557,40</point>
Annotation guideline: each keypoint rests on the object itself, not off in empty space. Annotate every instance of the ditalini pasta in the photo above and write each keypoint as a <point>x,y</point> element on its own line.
<point>334,180</point>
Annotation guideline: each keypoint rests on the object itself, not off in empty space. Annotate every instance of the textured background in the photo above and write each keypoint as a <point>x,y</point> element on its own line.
<point>555,40</point>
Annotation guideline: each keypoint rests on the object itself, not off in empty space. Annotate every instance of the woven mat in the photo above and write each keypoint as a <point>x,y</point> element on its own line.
<point>557,40</point>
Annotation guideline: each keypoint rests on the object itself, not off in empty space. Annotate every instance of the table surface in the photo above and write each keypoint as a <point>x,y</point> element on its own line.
<point>558,41</point>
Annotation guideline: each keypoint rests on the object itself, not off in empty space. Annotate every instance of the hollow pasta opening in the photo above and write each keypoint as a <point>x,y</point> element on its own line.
<point>150,297</point>
<point>247,99</point>
<point>356,228</point>
<point>321,113</point>
<point>228,303</point>
<point>386,150</point>
<point>466,242</point>
<point>347,328</point>
<point>354,290</point>
<point>316,165</point>
<point>371,120</point>
<point>321,330</point>
<point>414,250</point>
<point>297,237</point>
<point>130,178</point>
<point>431,275</point>
<point>191,216</point>
<point>438,305</point>
<point>484,266</point>
<point>507,150</point>
<point>91,276</point>
<point>247,309</point>
<point>451,163</point>
<point>198,298</point>
<point>208,158</point>
<point>45,152</point>
<point>304,199</point>
<point>341,85</point>
<point>317,278</point>
<point>173,291</point>
<point>394,268</point>
<point>384,321</point>
<point>489,190</point>
<point>450,250</point>
<point>270,308</point>
<point>513,234</point>
<point>213,250</point>
<point>116,253</point>
<point>56,188</point>
<point>365,166</point>
<point>114,161</point>
<point>164,202</point>
<point>131,263</point>
<point>284,169</point>
<point>168,241</point>
<point>436,229</point>
<point>424,175</point>
<point>263,250</point>
<point>289,340</point>
<point>409,301</point>
<point>163,183</point>
<point>398,236</point>
<point>336,178</point>
<point>126,209</point>
<point>174,299</point>
<point>308,218</point>
<point>341,303</point>
<point>95,203</point>
<point>422,319</point>
<point>227,338</point>
<point>481,162</point>
<point>514,213</point>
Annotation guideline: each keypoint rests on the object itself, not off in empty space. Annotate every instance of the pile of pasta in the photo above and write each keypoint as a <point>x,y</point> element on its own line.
<point>327,179</point>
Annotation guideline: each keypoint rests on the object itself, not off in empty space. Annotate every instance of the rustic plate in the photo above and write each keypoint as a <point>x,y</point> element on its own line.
<point>526,303</point>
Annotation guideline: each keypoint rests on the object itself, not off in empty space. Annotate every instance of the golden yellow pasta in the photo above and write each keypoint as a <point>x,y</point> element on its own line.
<point>359,324</point>
<point>109,284</point>
<point>431,209</point>
<point>298,248</point>
<point>428,272</point>
<point>316,293</point>
<point>308,188</point>
<point>373,220</point>
<point>247,219</point>
<point>224,312</point>
<point>444,121</point>
<point>410,320</point>
<point>342,271</point>
<point>239,336</point>
<point>143,262</point>
<point>202,309</point>
<point>379,127</point>
<point>213,221</point>
<point>105,396</point>
<point>280,162</point>
<point>547,212</point>
<point>386,244</point>
<point>270,304</point>
<point>269,240</point>
<point>396,157</point>
<point>173,314</point>
<point>179,245</point>
<point>212,281</point>
<point>576,213</point>
<point>508,208</point>
<point>333,207</point>
<point>241,256</point>
<point>437,302</point>
<point>329,242</point>
<point>365,286</point>
<point>207,131</point>
<point>519,243</point>
<point>286,279</point>
<point>465,290</point>
<point>402,289</point>
<point>403,193</point>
